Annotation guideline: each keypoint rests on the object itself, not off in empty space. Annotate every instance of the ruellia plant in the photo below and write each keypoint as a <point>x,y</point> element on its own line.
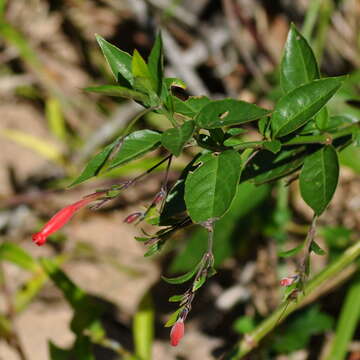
<point>297,139</point>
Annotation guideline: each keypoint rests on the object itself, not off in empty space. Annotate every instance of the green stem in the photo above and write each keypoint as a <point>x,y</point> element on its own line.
<point>321,139</point>
<point>348,320</point>
<point>302,140</point>
<point>250,341</point>
<point>128,128</point>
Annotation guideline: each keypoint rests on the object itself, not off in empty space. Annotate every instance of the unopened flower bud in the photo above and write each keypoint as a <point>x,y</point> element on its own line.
<point>133,217</point>
<point>177,332</point>
<point>287,281</point>
<point>159,197</point>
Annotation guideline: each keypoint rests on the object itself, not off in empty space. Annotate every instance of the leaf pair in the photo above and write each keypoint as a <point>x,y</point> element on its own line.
<point>305,93</point>
<point>132,146</point>
<point>137,80</point>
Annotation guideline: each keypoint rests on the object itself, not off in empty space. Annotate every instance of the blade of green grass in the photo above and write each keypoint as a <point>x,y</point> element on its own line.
<point>348,320</point>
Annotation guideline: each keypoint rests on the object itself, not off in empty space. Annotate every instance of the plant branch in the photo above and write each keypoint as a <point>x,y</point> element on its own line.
<point>250,341</point>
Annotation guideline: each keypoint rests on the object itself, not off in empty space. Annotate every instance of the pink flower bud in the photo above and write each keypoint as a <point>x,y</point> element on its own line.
<point>159,197</point>
<point>177,332</point>
<point>287,281</point>
<point>133,217</point>
<point>61,218</point>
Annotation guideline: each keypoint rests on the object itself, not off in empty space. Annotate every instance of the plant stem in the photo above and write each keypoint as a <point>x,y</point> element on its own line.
<point>128,128</point>
<point>302,140</point>
<point>250,341</point>
<point>304,262</point>
<point>348,319</point>
<point>321,139</point>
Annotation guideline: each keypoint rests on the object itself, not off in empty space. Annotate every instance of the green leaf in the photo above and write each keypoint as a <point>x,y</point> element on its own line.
<point>227,239</point>
<point>298,64</point>
<point>173,317</point>
<point>322,119</point>
<point>82,349</point>
<point>94,166</point>
<point>227,112</point>
<point>299,329</point>
<point>297,107</point>
<point>175,207</point>
<point>154,248</point>
<point>210,189</point>
<point>263,126</point>
<point>350,157</point>
<point>266,166</point>
<point>143,328</point>
<point>29,290</point>
<point>236,131</point>
<point>314,247</point>
<point>56,353</point>
<point>156,63</point>
<point>176,298</point>
<point>118,60</point>
<point>244,324</point>
<point>86,311</point>
<point>72,293</point>
<point>191,106</point>
<point>174,139</point>
<point>199,282</point>
<point>166,94</point>
<point>135,145</point>
<point>119,91</point>
<point>291,252</point>
<point>274,146</point>
<point>182,278</point>
<point>143,80</point>
<point>15,254</point>
<point>319,178</point>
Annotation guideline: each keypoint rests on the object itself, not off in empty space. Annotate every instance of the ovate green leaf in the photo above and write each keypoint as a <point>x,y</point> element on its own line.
<point>210,189</point>
<point>314,247</point>
<point>298,64</point>
<point>319,178</point>
<point>198,283</point>
<point>174,139</point>
<point>143,80</point>
<point>135,145</point>
<point>118,60</point>
<point>291,252</point>
<point>191,106</point>
<point>119,91</point>
<point>173,317</point>
<point>266,166</point>
<point>94,166</point>
<point>297,107</point>
<point>227,112</point>
<point>176,298</point>
<point>156,63</point>
<point>274,146</point>
<point>183,278</point>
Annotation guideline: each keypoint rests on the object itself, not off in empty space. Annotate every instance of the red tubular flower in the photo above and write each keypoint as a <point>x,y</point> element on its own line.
<point>177,332</point>
<point>61,218</point>
<point>133,217</point>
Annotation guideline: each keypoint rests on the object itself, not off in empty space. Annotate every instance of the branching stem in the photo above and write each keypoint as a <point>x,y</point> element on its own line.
<point>245,345</point>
